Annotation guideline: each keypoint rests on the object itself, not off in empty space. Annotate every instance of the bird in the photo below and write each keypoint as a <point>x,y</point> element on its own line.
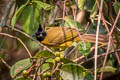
<point>63,37</point>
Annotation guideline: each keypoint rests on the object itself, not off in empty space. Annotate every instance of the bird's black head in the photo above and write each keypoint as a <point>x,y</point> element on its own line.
<point>40,34</point>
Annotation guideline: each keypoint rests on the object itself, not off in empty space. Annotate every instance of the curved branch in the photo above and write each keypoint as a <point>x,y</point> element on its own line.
<point>5,34</point>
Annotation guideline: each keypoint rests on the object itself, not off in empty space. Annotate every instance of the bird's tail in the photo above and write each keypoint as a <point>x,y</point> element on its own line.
<point>102,39</point>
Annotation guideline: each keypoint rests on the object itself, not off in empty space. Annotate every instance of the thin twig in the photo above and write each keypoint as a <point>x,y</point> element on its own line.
<point>96,44</point>
<point>3,61</point>
<point>44,71</point>
<point>116,53</point>
<point>63,15</point>
<point>63,29</point>
<point>5,34</point>
<point>73,49</point>
<point>114,25</point>
<point>117,56</point>
<point>57,67</point>
<point>108,47</point>
<point>75,24</point>
<point>110,37</point>
<point>6,13</point>
<point>53,66</point>
<point>81,57</point>
<point>102,16</point>
<point>37,68</point>
<point>103,54</point>
<point>104,21</point>
<point>83,41</point>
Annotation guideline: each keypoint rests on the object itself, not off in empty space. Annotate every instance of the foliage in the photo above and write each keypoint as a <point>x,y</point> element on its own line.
<point>71,63</point>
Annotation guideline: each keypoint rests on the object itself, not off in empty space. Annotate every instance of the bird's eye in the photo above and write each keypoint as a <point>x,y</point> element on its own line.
<point>44,33</point>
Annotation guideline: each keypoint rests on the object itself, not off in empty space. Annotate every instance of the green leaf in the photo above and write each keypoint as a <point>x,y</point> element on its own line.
<point>31,43</point>
<point>88,76</point>
<point>94,11</point>
<point>89,5</point>
<point>44,53</point>
<point>118,24</point>
<point>71,23</point>
<point>18,14</point>
<point>20,66</point>
<point>50,60</point>
<point>116,6</point>
<point>84,49</point>
<point>30,18</point>
<point>108,69</point>
<point>29,15</point>
<point>73,71</point>
<point>93,28</point>
<point>45,66</point>
<point>43,5</point>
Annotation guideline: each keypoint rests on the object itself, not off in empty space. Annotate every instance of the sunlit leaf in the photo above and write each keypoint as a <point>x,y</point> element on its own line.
<point>50,60</point>
<point>45,66</point>
<point>20,66</point>
<point>81,4</point>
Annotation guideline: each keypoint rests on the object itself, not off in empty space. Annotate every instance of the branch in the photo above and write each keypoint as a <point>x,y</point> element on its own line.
<point>5,34</point>
<point>6,13</point>
<point>108,47</point>
<point>96,44</point>
<point>3,61</point>
<point>103,54</point>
